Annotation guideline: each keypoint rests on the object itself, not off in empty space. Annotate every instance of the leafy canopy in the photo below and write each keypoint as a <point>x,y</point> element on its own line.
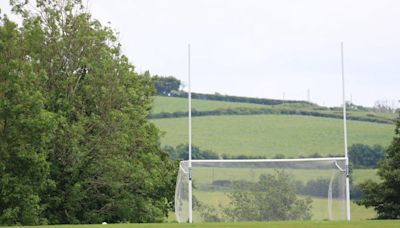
<point>76,146</point>
<point>384,197</point>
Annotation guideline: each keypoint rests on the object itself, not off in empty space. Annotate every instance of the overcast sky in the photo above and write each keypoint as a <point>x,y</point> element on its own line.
<point>263,48</point>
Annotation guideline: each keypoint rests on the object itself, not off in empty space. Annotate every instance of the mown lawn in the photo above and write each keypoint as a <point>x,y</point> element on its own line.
<point>296,224</point>
<point>269,135</point>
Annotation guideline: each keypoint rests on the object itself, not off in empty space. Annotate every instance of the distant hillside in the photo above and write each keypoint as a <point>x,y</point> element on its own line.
<point>289,129</point>
<point>229,98</point>
<point>172,107</point>
<point>269,135</point>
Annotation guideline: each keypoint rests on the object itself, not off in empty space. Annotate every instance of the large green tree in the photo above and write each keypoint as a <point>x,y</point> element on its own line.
<point>102,156</point>
<point>25,131</point>
<point>384,196</point>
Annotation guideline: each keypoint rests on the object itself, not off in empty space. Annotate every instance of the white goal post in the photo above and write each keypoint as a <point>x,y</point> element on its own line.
<point>253,189</point>
<point>245,187</point>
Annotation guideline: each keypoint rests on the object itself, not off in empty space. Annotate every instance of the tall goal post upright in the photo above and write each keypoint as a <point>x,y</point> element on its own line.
<point>190,139</point>
<point>345,139</point>
<point>339,177</point>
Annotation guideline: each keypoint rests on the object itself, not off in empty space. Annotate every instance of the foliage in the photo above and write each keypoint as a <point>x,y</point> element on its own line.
<point>25,131</point>
<point>74,124</point>
<point>275,224</point>
<point>219,97</point>
<point>174,106</point>
<point>364,156</point>
<point>273,197</point>
<point>182,152</point>
<point>266,111</point>
<point>165,85</point>
<point>384,197</point>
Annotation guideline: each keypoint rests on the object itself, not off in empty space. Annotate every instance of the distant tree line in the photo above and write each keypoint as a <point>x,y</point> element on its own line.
<point>267,111</point>
<point>228,98</point>
<point>364,156</point>
<point>360,155</point>
<point>181,152</point>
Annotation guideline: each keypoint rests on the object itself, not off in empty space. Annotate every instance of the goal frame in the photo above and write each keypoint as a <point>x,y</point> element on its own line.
<point>345,158</point>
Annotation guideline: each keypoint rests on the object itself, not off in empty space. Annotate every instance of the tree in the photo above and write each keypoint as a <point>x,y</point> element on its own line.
<point>273,197</point>
<point>181,152</point>
<point>25,130</point>
<point>364,156</point>
<point>385,105</point>
<point>101,155</point>
<point>384,196</point>
<point>165,85</point>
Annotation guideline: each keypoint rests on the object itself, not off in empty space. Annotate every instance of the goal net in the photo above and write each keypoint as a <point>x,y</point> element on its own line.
<point>262,190</point>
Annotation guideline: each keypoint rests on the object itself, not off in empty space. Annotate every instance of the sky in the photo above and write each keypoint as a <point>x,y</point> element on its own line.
<point>264,48</point>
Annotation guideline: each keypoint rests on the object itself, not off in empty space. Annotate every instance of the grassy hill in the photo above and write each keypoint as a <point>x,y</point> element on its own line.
<point>269,135</point>
<point>176,104</point>
<point>272,134</point>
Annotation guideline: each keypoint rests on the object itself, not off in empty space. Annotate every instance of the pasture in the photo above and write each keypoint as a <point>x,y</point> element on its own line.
<point>215,196</point>
<point>178,104</point>
<point>269,135</point>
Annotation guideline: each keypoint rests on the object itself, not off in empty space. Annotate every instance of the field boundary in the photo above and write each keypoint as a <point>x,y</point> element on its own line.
<point>266,111</point>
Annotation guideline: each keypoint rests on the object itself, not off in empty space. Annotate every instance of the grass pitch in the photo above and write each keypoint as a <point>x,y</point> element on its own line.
<point>290,224</point>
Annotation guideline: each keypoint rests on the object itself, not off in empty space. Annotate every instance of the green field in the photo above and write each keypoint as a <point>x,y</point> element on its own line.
<point>177,104</point>
<point>206,193</point>
<point>269,135</point>
<point>297,224</point>
<point>361,175</point>
<point>206,175</point>
<point>319,206</point>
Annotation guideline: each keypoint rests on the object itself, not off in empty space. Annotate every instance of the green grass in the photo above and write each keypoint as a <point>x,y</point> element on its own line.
<point>268,135</point>
<point>206,175</point>
<point>177,104</point>
<point>290,224</point>
<point>204,191</point>
<point>214,196</point>
<point>361,175</point>
<point>319,206</point>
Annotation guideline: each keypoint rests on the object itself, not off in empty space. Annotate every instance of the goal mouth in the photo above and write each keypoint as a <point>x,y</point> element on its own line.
<point>262,190</point>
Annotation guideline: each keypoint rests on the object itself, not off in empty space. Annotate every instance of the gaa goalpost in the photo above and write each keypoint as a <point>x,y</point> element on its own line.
<point>263,189</point>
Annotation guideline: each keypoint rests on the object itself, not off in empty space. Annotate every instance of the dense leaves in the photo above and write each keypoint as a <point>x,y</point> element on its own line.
<point>364,156</point>
<point>384,197</point>
<point>25,131</point>
<point>273,197</point>
<point>76,146</point>
<point>182,152</point>
<point>166,85</point>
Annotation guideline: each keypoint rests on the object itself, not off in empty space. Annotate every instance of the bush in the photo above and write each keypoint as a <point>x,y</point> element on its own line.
<point>182,152</point>
<point>364,156</point>
<point>272,198</point>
